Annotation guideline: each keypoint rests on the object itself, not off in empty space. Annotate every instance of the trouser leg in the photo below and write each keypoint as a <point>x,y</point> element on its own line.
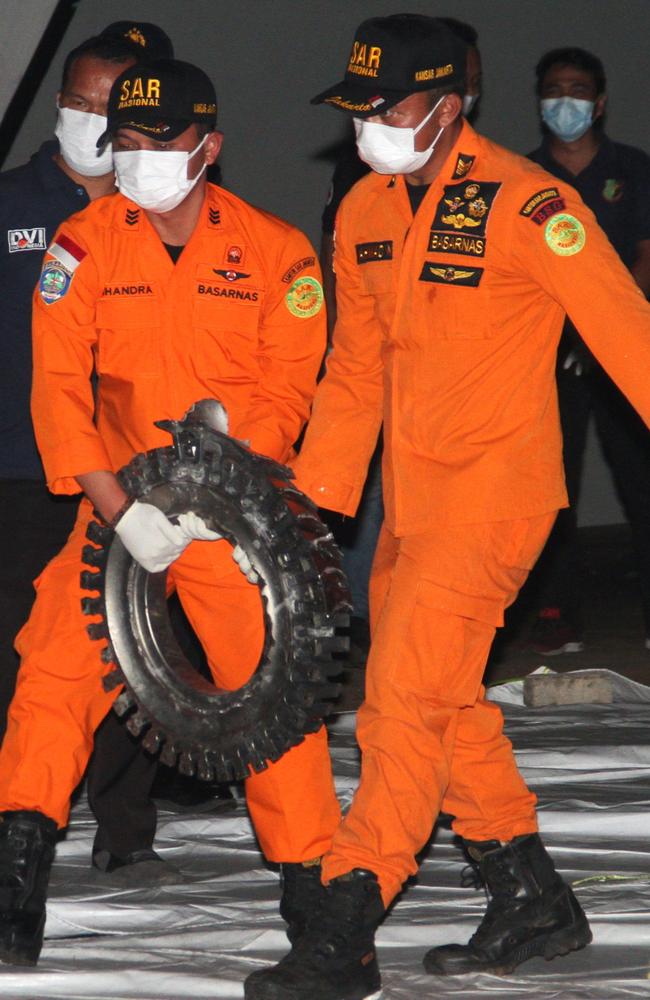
<point>558,578</point>
<point>59,700</point>
<point>292,803</point>
<point>626,443</point>
<point>359,540</point>
<point>35,526</point>
<point>119,779</point>
<point>447,591</point>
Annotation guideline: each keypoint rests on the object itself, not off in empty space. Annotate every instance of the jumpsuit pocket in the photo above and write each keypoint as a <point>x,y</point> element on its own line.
<point>226,317</point>
<point>446,652</point>
<point>457,303</point>
<point>129,336</point>
<point>377,277</point>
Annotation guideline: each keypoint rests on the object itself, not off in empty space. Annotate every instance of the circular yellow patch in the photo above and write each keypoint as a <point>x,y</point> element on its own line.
<point>565,235</point>
<point>305,297</point>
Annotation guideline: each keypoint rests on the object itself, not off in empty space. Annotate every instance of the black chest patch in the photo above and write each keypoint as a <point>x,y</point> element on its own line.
<point>460,222</point>
<point>367,252</point>
<point>448,274</point>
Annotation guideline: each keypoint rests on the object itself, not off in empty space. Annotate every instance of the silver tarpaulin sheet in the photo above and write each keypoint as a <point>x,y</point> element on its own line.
<point>590,766</point>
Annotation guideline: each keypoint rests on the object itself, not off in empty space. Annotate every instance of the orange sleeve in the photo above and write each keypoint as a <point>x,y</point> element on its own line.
<point>291,345</point>
<point>64,337</point>
<point>347,413</point>
<point>570,257</point>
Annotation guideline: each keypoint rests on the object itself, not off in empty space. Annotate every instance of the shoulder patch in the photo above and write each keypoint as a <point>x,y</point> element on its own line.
<point>67,252</point>
<point>464,164</point>
<point>132,216</point>
<point>449,274</point>
<point>543,205</point>
<point>54,281</point>
<point>367,252</point>
<point>300,265</point>
<point>565,235</point>
<point>305,297</point>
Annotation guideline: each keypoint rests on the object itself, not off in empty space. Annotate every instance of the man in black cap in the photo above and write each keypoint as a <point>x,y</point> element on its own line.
<point>358,536</point>
<point>174,290</point>
<point>456,261</point>
<point>64,176</point>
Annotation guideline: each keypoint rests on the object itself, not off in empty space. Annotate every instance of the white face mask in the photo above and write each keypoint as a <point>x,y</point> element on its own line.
<point>390,150</point>
<point>78,132</point>
<point>469,102</point>
<point>155,179</point>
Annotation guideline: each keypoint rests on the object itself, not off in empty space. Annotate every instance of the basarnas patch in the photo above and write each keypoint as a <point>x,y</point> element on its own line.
<point>565,235</point>
<point>305,297</point>
<point>460,222</point>
<point>54,282</point>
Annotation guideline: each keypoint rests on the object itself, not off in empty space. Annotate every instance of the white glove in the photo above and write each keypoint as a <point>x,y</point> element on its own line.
<point>152,539</point>
<point>195,527</point>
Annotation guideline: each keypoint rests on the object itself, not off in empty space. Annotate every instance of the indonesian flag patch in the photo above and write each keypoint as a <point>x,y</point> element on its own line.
<point>67,252</point>
<point>64,258</point>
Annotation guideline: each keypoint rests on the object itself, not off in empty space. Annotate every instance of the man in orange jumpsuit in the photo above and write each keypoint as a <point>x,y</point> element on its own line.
<point>455,263</point>
<point>174,290</point>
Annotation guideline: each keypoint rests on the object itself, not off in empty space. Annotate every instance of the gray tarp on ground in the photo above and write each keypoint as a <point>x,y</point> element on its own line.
<point>590,766</point>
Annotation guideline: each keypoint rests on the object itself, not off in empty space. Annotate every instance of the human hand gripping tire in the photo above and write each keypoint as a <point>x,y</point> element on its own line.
<point>153,540</point>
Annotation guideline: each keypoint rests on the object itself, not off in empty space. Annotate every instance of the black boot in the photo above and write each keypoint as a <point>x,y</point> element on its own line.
<point>334,959</point>
<point>301,893</point>
<point>531,911</point>
<point>27,842</point>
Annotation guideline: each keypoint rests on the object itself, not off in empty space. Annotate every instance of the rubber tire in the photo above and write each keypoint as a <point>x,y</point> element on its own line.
<point>217,734</point>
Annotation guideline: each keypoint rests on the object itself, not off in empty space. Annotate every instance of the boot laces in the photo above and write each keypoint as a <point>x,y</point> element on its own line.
<point>501,888</point>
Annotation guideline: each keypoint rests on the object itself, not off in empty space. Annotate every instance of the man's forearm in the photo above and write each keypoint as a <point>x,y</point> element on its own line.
<point>104,491</point>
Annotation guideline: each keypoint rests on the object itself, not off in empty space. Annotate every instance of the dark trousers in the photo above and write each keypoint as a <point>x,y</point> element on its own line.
<point>33,527</point>
<point>626,445</point>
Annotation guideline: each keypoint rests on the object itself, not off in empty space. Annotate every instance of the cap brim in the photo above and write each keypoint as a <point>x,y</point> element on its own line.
<point>154,130</point>
<point>360,101</point>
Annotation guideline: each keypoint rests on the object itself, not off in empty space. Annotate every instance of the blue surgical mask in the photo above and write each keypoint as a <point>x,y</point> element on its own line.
<point>567,117</point>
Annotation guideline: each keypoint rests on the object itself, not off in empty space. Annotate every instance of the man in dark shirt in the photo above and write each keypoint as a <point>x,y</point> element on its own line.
<point>60,179</point>
<point>614,180</point>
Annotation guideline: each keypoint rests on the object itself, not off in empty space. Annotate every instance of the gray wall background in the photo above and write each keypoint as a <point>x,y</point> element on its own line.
<point>268,57</point>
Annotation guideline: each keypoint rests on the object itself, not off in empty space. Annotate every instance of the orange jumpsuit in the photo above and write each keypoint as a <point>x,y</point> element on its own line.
<point>448,324</point>
<point>238,318</point>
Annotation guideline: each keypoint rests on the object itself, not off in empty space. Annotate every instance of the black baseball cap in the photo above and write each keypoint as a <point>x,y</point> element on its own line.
<point>147,40</point>
<point>393,57</point>
<point>160,99</point>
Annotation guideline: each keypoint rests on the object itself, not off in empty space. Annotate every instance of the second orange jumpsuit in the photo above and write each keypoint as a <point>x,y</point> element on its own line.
<point>238,317</point>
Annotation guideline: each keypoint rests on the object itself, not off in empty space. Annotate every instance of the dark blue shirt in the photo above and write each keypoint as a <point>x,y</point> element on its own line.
<point>616,187</point>
<point>34,199</point>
